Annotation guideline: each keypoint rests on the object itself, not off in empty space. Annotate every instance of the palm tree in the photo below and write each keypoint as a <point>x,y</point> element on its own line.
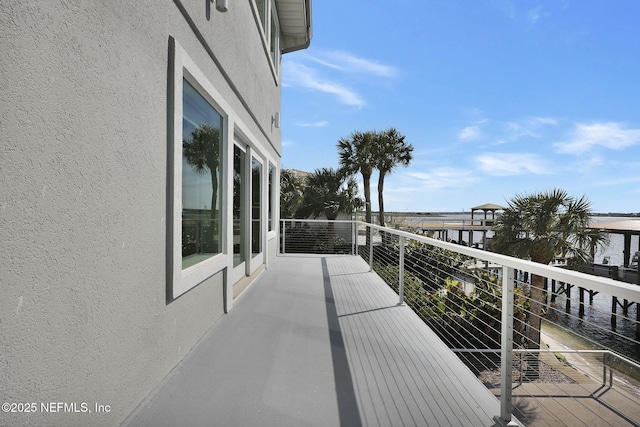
<point>330,192</point>
<point>391,150</point>
<point>358,154</point>
<point>540,227</point>
<point>202,152</point>
<point>291,193</point>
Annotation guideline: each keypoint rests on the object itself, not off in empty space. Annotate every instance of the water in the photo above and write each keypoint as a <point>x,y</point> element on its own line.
<point>614,251</point>
<point>596,323</point>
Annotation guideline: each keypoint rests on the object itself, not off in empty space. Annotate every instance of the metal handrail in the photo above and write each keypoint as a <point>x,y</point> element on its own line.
<point>509,266</point>
<point>607,358</point>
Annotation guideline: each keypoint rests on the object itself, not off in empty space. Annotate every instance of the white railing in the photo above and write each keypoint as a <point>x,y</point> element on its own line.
<point>478,303</point>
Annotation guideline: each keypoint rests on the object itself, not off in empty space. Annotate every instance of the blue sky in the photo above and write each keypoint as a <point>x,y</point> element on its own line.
<point>498,97</point>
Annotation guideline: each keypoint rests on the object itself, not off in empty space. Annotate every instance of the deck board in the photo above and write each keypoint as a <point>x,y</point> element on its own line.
<point>319,341</point>
<point>587,404</point>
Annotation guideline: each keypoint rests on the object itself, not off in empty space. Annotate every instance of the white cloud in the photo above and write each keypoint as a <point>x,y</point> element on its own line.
<point>470,133</point>
<point>344,61</point>
<point>507,164</point>
<point>444,177</point>
<point>630,182</point>
<point>530,127</point>
<point>300,75</point>
<point>319,124</point>
<point>609,135</point>
<point>327,72</point>
<point>534,14</point>
<point>543,120</point>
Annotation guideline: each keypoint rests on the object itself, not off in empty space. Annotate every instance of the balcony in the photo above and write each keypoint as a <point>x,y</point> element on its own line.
<point>321,339</point>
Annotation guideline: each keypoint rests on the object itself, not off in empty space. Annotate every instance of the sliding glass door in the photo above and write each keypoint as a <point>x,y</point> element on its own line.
<point>248,216</point>
<point>239,206</point>
<point>256,207</point>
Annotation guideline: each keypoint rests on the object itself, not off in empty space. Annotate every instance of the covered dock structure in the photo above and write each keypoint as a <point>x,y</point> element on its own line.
<point>486,208</point>
<point>628,271</point>
<point>628,228</point>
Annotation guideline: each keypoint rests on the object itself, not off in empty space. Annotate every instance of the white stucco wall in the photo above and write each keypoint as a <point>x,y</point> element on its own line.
<point>83,183</point>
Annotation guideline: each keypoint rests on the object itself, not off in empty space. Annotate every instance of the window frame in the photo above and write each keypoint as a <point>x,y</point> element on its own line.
<point>271,202</point>
<point>257,207</point>
<point>268,34</point>
<point>183,67</point>
<point>243,198</point>
<point>179,281</point>
<point>207,109</point>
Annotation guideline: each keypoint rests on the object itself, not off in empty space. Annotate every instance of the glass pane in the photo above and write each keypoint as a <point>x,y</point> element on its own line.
<point>274,41</point>
<point>201,192</point>
<point>238,206</point>
<point>270,201</point>
<point>262,11</point>
<point>256,206</point>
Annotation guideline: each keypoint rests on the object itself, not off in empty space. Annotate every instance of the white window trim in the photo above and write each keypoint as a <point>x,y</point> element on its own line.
<point>271,199</point>
<point>185,68</point>
<point>180,281</point>
<point>265,34</point>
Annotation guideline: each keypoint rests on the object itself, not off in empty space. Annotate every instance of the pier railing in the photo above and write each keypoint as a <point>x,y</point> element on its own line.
<point>480,304</point>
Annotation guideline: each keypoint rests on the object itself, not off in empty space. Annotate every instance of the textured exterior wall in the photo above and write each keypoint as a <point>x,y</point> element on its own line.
<point>83,182</point>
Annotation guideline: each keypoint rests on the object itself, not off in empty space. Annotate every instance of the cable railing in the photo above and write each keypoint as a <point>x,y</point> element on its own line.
<point>525,329</point>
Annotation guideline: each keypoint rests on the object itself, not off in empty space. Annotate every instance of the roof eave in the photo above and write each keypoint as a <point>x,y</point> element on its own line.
<point>295,24</point>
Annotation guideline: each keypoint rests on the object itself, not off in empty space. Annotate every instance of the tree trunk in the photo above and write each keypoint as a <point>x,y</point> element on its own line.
<point>535,311</point>
<point>214,193</point>
<point>213,224</point>
<point>380,198</point>
<point>385,237</point>
<point>366,179</point>
<point>535,323</point>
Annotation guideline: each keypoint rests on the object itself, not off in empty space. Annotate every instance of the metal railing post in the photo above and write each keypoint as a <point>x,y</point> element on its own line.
<point>607,362</point>
<point>506,354</point>
<point>370,248</point>
<point>610,370</point>
<point>401,272</point>
<point>354,238</point>
<point>284,233</point>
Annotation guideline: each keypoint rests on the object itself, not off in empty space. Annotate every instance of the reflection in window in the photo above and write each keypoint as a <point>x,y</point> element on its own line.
<point>201,192</point>
<point>262,11</point>
<point>256,206</point>
<point>273,45</point>
<point>238,206</point>
<point>272,172</point>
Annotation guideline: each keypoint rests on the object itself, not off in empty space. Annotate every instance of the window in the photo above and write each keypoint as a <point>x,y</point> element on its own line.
<point>269,27</point>
<point>198,128</point>
<point>274,47</point>
<point>262,12</point>
<point>238,205</point>
<point>201,177</point>
<point>256,206</point>
<point>272,172</point>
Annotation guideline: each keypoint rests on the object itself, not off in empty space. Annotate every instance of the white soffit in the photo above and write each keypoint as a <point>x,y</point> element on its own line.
<point>295,24</point>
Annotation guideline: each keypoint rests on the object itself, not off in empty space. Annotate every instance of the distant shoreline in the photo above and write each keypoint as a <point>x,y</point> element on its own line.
<point>409,213</point>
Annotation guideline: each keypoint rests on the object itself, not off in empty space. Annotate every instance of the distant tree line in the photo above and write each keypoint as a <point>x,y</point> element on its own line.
<point>330,192</point>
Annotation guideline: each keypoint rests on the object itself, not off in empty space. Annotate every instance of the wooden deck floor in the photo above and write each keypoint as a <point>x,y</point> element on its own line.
<point>587,404</point>
<point>319,341</point>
